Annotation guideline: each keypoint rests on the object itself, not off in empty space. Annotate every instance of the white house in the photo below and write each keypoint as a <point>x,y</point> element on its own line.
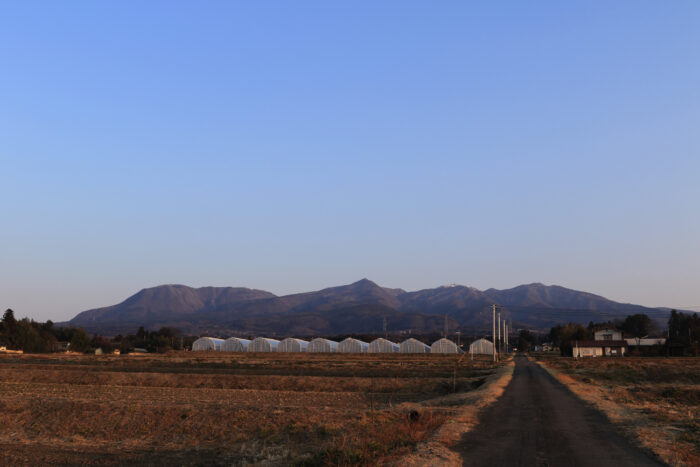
<point>608,335</point>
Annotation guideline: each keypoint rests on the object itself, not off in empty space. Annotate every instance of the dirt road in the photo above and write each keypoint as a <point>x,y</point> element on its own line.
<point>539,422</point>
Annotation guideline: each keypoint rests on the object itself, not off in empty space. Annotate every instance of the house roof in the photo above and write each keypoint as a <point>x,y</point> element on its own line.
<point>598,343</point>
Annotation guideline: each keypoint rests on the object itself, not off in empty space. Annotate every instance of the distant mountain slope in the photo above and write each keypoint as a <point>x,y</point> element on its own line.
<point>359,307</point>
<point>361,292</point>
<point>552,296</point>
<point>467,305</point>
<point>166,303</point>
<point>354,319</point>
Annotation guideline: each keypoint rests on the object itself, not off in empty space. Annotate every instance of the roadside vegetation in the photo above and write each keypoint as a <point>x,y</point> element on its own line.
<point>654,400</point>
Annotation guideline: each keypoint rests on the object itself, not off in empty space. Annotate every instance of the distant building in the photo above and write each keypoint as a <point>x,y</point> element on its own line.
<point>481,347</point>
<point>291,344</point>
<point>321,345</point>
<point>608,335</point>
<point>646,341</point>
<point>445,346</point>
<point>234,344</point>
<point>607,343</point>
<point>351,345</point>
<point>382,345</point>
<point>412,345</point>
<point>206,344</point>
<point>263,344</point>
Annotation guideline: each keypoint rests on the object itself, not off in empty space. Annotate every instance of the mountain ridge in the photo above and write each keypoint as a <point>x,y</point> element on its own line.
<point>354,307</point>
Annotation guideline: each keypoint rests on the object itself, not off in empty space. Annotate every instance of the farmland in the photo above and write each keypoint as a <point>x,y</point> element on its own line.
<point>655,401</point>
<point>218,408</point>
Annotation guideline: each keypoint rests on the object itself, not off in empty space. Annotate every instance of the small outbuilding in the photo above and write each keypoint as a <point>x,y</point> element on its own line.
<point>481,347</point>
<point>445,346</point>
<point>263,344</point>
<point>412,345</point>
<point>382,345</point>
<point>352,345</point>
<point>322,345</point>
<point>235,344</point>
<point>207,344</point>
<point>291,344</point>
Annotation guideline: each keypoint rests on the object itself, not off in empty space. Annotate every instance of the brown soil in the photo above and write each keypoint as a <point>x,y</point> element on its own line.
<point>654,401</point>
<point>223,409</point>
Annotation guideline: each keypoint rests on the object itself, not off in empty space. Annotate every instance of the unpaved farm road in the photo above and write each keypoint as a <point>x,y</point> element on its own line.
<point>539,422</point>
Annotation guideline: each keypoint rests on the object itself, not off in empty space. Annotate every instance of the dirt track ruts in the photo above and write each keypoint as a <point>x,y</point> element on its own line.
<point>539,422</point>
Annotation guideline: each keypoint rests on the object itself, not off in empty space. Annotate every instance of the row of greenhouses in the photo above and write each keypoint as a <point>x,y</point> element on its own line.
<point>349,345</point>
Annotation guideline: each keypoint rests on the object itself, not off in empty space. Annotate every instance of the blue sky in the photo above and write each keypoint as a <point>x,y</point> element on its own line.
<point>291,146</point>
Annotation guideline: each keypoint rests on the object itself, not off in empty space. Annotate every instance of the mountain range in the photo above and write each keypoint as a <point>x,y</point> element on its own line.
<point>361,307</point>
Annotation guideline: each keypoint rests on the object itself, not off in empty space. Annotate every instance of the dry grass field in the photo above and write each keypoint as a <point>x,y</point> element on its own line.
<point>656,401</point>
<point>233,409</point>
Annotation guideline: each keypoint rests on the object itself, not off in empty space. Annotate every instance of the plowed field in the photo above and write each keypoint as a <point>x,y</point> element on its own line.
<point>217,408</point>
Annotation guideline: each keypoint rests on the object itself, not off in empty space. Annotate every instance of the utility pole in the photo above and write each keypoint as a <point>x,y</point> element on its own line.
<point>458,343</point>
<point>507,337</point>
<point>500,349</point>
<point>385,334</point>
<point>494,332</point>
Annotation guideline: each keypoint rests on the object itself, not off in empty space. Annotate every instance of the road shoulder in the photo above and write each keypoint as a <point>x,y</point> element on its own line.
<point>438,450</point>
<point>631,422</point>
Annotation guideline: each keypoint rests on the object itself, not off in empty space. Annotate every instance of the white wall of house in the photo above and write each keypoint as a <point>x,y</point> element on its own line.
<point>598,351</point>
<point>588,351</point>
<point>608,335</point>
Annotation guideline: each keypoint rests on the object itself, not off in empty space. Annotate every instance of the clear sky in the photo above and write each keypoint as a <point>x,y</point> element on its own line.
<point>290,146</point>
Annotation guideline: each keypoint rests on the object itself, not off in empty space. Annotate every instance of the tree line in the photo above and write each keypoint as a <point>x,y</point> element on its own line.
<point>34,337</point>
<point>30,336</point>
<point>683,330</point>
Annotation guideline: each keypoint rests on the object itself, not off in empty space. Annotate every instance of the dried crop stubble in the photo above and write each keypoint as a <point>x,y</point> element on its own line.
<point>255,408</point>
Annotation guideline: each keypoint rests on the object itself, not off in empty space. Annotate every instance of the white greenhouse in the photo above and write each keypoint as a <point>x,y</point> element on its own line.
<point>351,345</point>
<point>445,346</point>
<point>207,344</point>
<point>322,345</point>
<point>263,344</point>
<point>382,345</point>
<point>412,345</point>
<point>235,344</point>
<point>481,346</point>
<point>291,344</point>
